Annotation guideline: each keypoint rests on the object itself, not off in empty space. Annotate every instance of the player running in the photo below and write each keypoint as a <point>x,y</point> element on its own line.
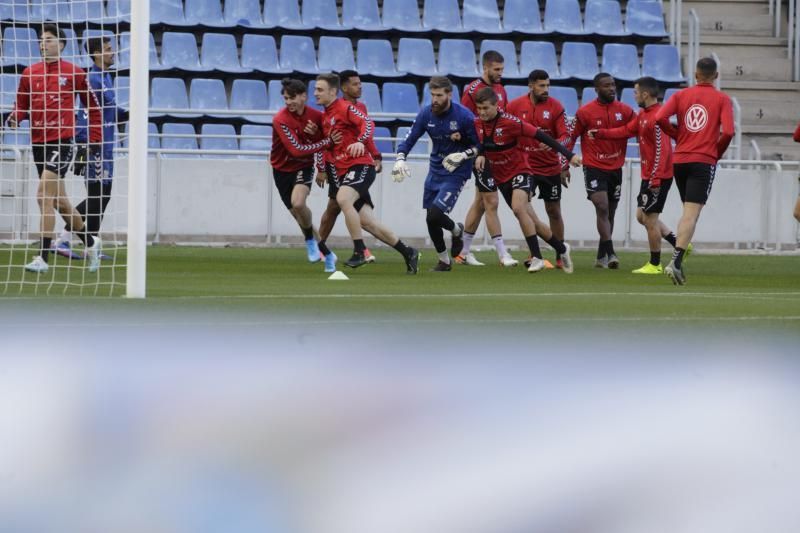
<point>486,192</point>
<point>451,127</point>
<point>292,160</point>
<point>355,171</point>
<point>550,170</point>
<point>499,134</point>
<point>351,92</point>
<point>603,160</point>
<point>96,165</point>
<point>46,94</point>
<point>656,167</point>
<point>702,112</point>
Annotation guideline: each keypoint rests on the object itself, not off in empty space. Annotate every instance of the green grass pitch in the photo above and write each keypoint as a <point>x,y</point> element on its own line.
<point>761,291</point>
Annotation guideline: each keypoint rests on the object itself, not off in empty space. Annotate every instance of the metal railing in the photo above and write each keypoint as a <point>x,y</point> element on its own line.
<point>676,24</point>
<point>693,48</point>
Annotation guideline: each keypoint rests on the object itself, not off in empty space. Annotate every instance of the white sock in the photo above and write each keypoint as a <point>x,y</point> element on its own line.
<point>443,257</point>
<point>66,236</point>
<point>500,246</point>
<point>467,243</point>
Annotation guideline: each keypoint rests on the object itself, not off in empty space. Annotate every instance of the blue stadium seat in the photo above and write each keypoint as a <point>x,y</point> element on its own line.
<point>633,150</point>
<point>515,91</point>
<point>298,54</point>
<point>229,142</point>
<point>252,139</point>
<point>568,97</point>
<point>203,13</point>
<point>8,89</point>
<point>118,11</point>
<point>645,18</point>
<point>371,97</point>
<point>260,53</point>
<point>539,55</point>
<point>124,54</point>
<point>283,14</point>
<point>248,95</point>
<point>169,93</point>
<point>522,16</point>
<point>153,137</point>
<point>579,61</point>
<point>335,54</point>
<point>207,94</point>
<point>169,12</point>
<point>14,10</point>
<point>90,11</point>
<point>122,91</point>
<point>509,52</point>
<point>50,10</point>
<point>72,52</point>
<point>415,56</point>
<point>669,92</point>
<point>20,47</point>
<point>400,98</point>
<point>588,94</point>
<point>421,147</point>
<point>563,16</point>
<point>628,98</point>
<point>603,17</point>
<point>321,14</point>
<point>662,62</point>
<point>219,52</point>
<point>180,143</point>
<point>383,146</point>
<point>621,61</point>
<point>482,16</point>
<point>275,97</point>
<point>401,15</point>
<point>243,13</point>
<point>375,57</point>
<point>426,94</point>
<point>179,51</point>
<point>457,58</point>
<point>362,15</point>
<point>442,15</point>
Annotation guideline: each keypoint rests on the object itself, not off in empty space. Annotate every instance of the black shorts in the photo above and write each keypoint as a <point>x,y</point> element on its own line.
<point>360,178</point>
<point>285,182</point>
<point>694,181</point>
<point>549,187</point>
<point>519,182</point>
<point>330,171</point>
<point>484,180</point>
<point>53,156</point>
<point>603,180</point>
<point>653,203</point>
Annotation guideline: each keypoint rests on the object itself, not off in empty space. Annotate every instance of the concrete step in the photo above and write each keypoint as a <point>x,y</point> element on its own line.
<point>780,147</point>
<point>710,9</point>
<point>764,111</point>
<point>733,67</point>
<point>760,86</point>
<point>787,99</point>
<point>746,52</point>
<point>748,19</point>
<point>769,129</point>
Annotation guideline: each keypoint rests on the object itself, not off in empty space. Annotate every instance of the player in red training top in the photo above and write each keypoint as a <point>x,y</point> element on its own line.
<point>46,95</point>
<point>351,92</point>
<point>549,169</point>
<point>603,160</point>
<point>797,205</point>
<point>499,134</point>
<point>355,171</point>
<point>292,159</point>
<point>485,200</point>
<point>656,168</point>
<point>705,129</point>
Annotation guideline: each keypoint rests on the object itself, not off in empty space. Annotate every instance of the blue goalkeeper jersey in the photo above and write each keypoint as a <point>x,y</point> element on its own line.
<point>102,86</point>
<point>440,127</point>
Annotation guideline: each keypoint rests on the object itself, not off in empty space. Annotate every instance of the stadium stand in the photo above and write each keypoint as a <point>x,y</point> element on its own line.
<point>169,93</point>
<point>335,54</point>
<point>371,96</point>
<point>442,15</point>
<point>219,52</point>
<point>284,14</point>
<point>621,61</point>
<point>247,95</point>
<point>539,55</point>
<point>662,62</point>
<point>520,16</point>
<point>362,15</point>
<point>243,13</point>
<point>579,61</point>
<point>603,18</point>
<point>218,137</point>
<point>400,98</point>
<point>298,54</point>
<point>384,145</point>
<point>166,12</point>
<point>321,14</point>
<point>457,58</point>
<point>509,52</point>
<point>20,47</point>
<point>376,58</point>
<point>260,53</point>
<point>176,136</point>
<point>179,52</point>
<point>415,56</point>
<point>251,140</point>
<point>568,97</point>
<point>402,15</point>
<point>205,94</point>
<point>564,17</point>
<point>482,16</point>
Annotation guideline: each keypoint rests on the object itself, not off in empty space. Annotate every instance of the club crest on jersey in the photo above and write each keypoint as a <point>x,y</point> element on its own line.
<point>546,114</point>
<point>499,132</point>
<point>62,80</point>
<point>453,125</point>
<point>333,121</point>
<point>618,116</point>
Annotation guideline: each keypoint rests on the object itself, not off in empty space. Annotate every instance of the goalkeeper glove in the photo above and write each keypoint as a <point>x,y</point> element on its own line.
<point>453,161</point>
<point>400,171</point>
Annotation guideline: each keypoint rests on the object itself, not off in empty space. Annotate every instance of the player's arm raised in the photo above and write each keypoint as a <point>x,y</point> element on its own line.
<point>528,130</point>
<point>667,110</point>
<point>631,129</point>
<point>294,145</point>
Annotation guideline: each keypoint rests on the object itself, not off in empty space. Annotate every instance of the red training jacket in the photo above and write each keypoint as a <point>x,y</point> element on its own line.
<point>654,145</point>
<point>468,99</point>
<point>608,154</point>
<point>371,148</point>
<point>548,116</point>
<point>702,110</point>
<point>508,158</point>
<point>46,94</point>
<point>354,125</point>
<point>797,134</point>
<point>292,149</point>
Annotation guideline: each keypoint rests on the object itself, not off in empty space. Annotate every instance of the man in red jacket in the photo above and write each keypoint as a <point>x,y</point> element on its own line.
<point>656,168</point>
<point>603,160</point>
<point>705,129</point>
<point>355,171</point>
<point>46,95</point>
<point>292,160</point>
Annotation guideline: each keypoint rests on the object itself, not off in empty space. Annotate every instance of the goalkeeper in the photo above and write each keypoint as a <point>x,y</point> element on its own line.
<point>451,127</point>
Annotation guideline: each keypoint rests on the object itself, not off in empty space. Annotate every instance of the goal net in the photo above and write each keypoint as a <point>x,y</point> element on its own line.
<point>64,164</point>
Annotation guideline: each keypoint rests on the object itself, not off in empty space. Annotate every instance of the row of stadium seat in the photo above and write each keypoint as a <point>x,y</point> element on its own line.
<point>456,57</point>
<point>602,17</point>
<point>19,46</point>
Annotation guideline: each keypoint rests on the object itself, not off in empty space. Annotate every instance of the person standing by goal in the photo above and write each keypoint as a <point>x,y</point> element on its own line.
<point>46,95</point>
